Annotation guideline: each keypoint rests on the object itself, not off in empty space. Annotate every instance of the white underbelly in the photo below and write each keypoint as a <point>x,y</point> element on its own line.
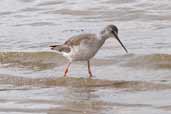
<point>81,53</point>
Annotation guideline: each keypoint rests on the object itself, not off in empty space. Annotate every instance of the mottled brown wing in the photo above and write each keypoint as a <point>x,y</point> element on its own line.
<point>76,40</point>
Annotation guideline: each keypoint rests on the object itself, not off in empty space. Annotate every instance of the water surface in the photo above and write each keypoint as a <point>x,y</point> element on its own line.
<point>31,79</point>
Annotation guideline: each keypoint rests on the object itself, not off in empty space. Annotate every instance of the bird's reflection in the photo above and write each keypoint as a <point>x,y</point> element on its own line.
<point>83,99</point>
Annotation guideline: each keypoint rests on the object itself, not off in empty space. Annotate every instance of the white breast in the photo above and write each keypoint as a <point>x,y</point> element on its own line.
<point>85,51</point>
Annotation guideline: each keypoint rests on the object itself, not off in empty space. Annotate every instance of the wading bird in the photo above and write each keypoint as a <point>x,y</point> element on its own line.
<point>84,46</point>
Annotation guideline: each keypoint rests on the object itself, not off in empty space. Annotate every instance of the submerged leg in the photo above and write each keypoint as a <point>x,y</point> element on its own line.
<point>89,69</point>
<point>66,70</point>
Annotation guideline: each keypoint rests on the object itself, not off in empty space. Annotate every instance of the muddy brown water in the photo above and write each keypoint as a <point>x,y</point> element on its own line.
<point>31,75</point>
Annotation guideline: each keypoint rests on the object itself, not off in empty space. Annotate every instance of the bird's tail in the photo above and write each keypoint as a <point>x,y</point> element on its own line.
<point>60,48</point>
<point>55,47</point>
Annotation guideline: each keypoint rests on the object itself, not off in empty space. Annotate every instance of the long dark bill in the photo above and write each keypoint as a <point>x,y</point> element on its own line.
<point>116,36</point>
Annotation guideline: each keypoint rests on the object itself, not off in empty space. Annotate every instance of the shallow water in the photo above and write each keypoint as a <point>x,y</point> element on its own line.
<point>31,79</point>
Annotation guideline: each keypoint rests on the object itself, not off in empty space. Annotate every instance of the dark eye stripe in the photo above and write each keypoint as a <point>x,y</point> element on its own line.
<point>114,28</point>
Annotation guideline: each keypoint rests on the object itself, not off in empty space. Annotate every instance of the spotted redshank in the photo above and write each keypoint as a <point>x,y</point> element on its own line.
<point>84,46</point>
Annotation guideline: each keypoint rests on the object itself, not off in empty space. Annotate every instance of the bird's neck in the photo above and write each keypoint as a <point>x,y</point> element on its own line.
<point>102,36</point>
<point>101,39</point>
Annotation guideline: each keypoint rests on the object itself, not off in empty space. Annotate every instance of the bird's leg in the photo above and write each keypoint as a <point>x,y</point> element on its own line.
<point>89,69</point>
<point>66,70</point>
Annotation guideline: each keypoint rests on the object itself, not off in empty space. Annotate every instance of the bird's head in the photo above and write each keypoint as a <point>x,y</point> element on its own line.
<point>111,31</point>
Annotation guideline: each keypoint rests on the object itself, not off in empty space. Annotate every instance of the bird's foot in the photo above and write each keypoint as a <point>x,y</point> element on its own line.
<point>65,73</point>
<point>90,76</point>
